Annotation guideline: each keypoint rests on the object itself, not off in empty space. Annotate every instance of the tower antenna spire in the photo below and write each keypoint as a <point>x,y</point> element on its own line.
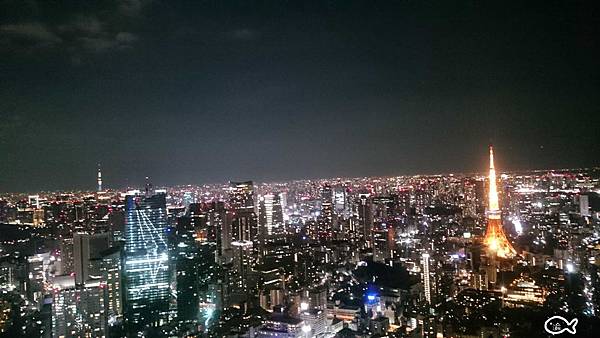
<point>99,178</point>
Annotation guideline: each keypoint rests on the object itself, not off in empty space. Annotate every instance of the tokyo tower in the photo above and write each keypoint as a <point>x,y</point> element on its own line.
<point>495,239</point>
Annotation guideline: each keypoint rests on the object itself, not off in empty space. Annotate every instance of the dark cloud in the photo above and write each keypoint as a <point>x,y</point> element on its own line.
<point>97,44</point>
<point>89,25</point>
<point>121,40</point>
<point>245,34</point>
<point>125,37</point>
<point>31,34</point>
<point>132,7</point>
<point>78,31</point>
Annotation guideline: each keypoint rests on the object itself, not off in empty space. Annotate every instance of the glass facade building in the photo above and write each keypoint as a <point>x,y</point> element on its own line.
<point>146,268</point>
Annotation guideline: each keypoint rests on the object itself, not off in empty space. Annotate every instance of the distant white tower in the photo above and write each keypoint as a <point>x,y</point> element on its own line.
<point>99,178</point>
<point>426,277</point>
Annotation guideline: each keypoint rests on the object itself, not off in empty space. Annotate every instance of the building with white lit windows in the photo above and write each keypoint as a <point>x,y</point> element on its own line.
<point>146,267</point>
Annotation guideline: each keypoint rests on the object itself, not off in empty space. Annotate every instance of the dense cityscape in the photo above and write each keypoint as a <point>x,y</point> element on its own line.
<point>457,255</point>
<point>299,169</point>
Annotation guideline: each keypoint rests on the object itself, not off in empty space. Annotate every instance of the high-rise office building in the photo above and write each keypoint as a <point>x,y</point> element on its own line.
<point>107,268</point>
<point>244,226</point>
<point>86,247</point>
<point>220,221</point>
<point>66,256</point>
<point>327,214</point>
<point>426,277</point>
<point>584,205</point>
<point>187,271</point>
<point>382,242</point>
<point>341,205</point>
<point>78,311</point>
<point>81,257</point>
<point>241,196</point>
<point>242,263</point>
<point>244,223</point>
<point>270,213</point>
<point>365,217</point>
<point>385,207</point>
<point>146,268</point>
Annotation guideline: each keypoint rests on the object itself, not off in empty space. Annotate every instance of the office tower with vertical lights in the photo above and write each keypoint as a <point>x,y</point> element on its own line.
<point>426,277</point>
<point>327,215</point>
<point>270,213</point>
<point>146,268</point>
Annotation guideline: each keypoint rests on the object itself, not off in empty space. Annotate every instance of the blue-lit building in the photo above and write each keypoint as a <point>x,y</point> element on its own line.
<point>146,269</point>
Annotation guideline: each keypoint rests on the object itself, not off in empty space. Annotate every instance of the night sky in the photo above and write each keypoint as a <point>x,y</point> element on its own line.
<point>210,91</point>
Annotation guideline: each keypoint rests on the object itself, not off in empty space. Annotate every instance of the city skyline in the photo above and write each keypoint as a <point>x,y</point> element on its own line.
<point>142,180</point>
<point>398,257</point>
<point>177,90</point>
<point>299,169</point>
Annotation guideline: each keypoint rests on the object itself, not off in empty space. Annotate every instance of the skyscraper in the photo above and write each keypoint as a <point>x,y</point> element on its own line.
<point>270,213</point>
<point>81,257</point>
<point>146,268</point>
<point>85,247</point>
<point>364,210</point>
<point>110,269</point>
<point>242,263</point>
<point>327,209</point>
<point>495,238</point>
<point>584,205</point>
<point>382,242</point>
<point>78,311</point>
<point>221,223</point>
<point>244,224</point>
<point>241,196</point>
<point>426,277</point>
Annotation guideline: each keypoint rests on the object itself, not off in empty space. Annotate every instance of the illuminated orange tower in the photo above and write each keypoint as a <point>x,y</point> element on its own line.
<point>495,239</point>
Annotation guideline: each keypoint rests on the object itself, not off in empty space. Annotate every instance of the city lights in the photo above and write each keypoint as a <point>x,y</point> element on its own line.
<point>282,169</point>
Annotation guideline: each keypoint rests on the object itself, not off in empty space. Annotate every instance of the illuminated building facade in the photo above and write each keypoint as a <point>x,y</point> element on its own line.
<point>316,319</point>
<point>146,268</point>
<point>242,264</point>
<point>244,223</point>
<point>426,277</point>
<point>495,238</point>
<point>372,305</point>
<point>281,326</point>
<point>341,205</point>
<point>327,216</point>
<point>382,242</point>
<point>364,211</point>
<point>107,267</point>
<point>241,196</point>
<point>270,213</point>
<point>78,311</point>
<point>523,291</point>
